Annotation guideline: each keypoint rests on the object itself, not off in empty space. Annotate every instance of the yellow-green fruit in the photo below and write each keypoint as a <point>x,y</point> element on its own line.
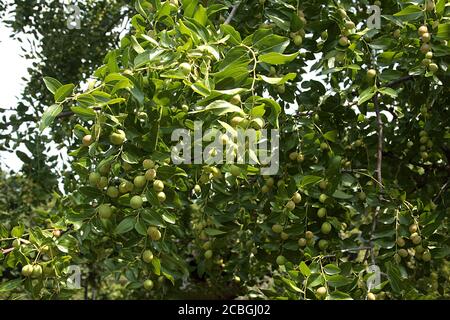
<point>284,236</point>
<point>281,260</point>
<point>323,198</point>
<point>94,178</point>
<point>325,228</point>
<point>293,156</point>
<point>117,138</point>
<point>429,5</point>
<point>419,249</point>
<point>16,243</point>
<point>154,233</point>
<point>270,182</point>
<point>433,67</point>
<point>309,235</point>
<point>281,88</point>
<point>300,157</point>
<point>126,166</point>
<point>302,242</point>
<point>298,40</point>
<point>322,212</point>
<point>400,242</point>
<point>87,140</point>
<point>104,169</point>
<point>197,189</point>
<point>208,254</point>
<point>321,292</point>
<point>403,253</point>
<point>235,170</point>
<point>277,228</point>
<point>27,270</point>
<point>158,185</point>
<point>147,256</point>
<point>207,245</point>
<point>422,30</point>
<point>426,256</point>
<point>104,211</point>
<point>323,244</point>
<point>429,55</point>
<point>371,73</point>
<point>103,182</point>
<point>185,68</point>
<point>413,228</point>
<point>290,205</point>
<point>236,99</point>
<point>150,174</point>
<point>125,187</point>
<point>257,123</point>
<point>139,182</point>
<point>324,35</point>
<point>148,284</point>
<point>362,196</point>
<point>415,238</point>
<point>343,41</point>
<point>397,33</point>
<point>323,184</point>
<point>37,271</point>
<point>161,196</point>
<point>148,164</point>
<point>297,198</point>
<point>371,296</point>
<point>324,146</point>
<point>424,48</point>
<point>235,121</point>
<point>265,189</point>
<point>350,25</point>
<point>136,202</point>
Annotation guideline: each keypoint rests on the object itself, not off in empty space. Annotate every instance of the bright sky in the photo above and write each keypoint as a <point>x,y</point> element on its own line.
<point>13,67</point>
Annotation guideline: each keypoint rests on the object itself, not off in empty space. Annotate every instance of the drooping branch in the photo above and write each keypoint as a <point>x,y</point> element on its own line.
<point>233,12</point>
<point>398,81</point>
<point>380,134</point>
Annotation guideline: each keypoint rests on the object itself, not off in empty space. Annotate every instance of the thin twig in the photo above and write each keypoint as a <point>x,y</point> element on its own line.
<point>444,187</point>
<point>379,173</point>
<point>398,81</point>
<point>232,13</point>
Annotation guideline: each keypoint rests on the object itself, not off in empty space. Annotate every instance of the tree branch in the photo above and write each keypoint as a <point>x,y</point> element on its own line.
<point>398,81</point>
<point>378,171</point>
<point>232,13</point>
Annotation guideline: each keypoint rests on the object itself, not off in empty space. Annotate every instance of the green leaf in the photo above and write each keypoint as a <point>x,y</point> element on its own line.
<point>63,92</point>
<point>169,217</point>
<point>125,225</point>
<point>8,286</point>
<point>52,84</point>
<point>394,277</point>
<point>304,269</point>
<point>156,263</point>
<point>84,112</point>
<point>331,135</point>
<point>220,107</point>
<point>136,46</point>
<point>366,95</point>
<point>410,13</point>
<point>388,91</point>
<point>331,269</point>
<point>338,194</point>
<point>49,115</point>
<point>200,15</point>
<point>277,80</point>
<point>213,232</point>
<point>277,58</point>
<point>18,231</point>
